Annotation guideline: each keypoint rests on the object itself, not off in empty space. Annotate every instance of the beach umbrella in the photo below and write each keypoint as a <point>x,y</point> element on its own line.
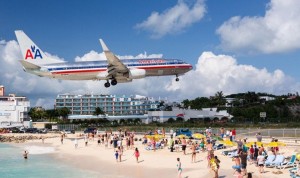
<point>298,156</point>
<point>156,136</point>
<point>228,143</point>
<point>259,144</point>
<point>198,136</point>
<point>181,136</point>
<point>275,144</point>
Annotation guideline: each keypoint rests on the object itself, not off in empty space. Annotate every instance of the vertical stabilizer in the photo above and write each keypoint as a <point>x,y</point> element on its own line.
<point>31,52</point>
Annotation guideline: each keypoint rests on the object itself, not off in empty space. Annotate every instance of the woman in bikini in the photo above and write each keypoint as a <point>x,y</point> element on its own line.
<point>193,148</point>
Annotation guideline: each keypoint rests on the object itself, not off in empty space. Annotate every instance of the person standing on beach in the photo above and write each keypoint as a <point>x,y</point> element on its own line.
<point>179,169</point>
<point>258,137</point>
<point>183,145</point>
<point>193,148</point>
<point>137,154</point>
<point>76,143</point>
<point>222,131</point>
<point>120,153</point>
<point>62,139</point>
<point>25,154</point>
<point>117,155</point>
<point>261,162</point>
<point>86,140</point>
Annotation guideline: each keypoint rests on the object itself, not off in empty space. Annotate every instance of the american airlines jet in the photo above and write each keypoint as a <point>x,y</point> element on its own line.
<point>114,70</point>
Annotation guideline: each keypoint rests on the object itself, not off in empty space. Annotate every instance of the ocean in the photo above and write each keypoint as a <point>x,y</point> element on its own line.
<point>40,163</point>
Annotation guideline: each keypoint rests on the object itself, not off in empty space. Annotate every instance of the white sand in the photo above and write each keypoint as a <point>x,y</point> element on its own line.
<point>161,163</point>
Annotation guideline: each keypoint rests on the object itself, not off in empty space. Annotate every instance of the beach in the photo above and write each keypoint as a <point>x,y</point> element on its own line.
<point>159,163</point>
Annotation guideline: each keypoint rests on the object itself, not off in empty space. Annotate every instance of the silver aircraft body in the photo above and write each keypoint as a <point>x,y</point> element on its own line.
<point>113,70</point>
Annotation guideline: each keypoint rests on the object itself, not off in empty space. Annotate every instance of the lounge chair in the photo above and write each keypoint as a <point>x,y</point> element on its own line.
<point>270,159</point>
<point>293,172</point>
<point>279,159</point>
<point>229,152</point>
<point>219,146</point>
<point>290,163</point>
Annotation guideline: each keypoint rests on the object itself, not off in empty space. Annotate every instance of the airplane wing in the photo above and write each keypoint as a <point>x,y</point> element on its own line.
<point>115,66</point>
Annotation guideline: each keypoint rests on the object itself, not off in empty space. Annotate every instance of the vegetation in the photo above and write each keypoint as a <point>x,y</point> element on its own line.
<point>281,111</point>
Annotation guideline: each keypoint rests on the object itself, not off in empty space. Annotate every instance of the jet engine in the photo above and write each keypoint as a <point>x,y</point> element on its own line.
<point>136,73</point>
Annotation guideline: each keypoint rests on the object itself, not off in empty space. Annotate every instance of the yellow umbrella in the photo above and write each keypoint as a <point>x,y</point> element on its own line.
<point>181,136</point>
<point>228,143</point>
<point>276,144</point>
<point>253,143</point>
<point>198,136</point>
<point>156,136</point>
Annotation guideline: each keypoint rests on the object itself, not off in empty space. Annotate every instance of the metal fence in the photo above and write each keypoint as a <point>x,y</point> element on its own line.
<point>246,132</point>
<point>250,132</point>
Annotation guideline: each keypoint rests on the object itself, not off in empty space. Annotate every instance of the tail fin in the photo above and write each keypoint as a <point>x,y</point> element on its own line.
<point>31,52</point>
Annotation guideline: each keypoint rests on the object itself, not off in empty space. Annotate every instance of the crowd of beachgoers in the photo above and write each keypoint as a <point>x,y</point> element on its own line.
<point>256,156</point>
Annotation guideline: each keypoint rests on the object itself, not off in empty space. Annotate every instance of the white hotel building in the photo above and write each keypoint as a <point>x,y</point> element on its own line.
<point>13,109</point>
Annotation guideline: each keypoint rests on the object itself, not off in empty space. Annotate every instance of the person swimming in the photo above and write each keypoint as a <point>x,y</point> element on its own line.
<point>25,155</point>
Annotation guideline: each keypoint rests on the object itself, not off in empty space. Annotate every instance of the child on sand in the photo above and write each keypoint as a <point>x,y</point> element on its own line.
<point>179,169</point>
<point>117,155</point>
<point>137,154</point>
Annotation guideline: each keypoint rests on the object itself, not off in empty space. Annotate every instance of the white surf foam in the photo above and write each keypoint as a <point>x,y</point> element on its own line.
<point>37,150</point>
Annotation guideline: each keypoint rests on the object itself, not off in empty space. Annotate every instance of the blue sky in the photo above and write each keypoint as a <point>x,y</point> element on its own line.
<point>253,39</point>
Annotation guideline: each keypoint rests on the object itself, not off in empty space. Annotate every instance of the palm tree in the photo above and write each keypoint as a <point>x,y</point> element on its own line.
<point>219,98</point>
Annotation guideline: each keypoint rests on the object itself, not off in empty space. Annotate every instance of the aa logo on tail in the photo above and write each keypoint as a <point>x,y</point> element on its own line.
<point>33,53</point>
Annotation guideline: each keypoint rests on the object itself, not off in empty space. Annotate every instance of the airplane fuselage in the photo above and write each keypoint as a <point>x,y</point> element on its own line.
<point>89,70</point>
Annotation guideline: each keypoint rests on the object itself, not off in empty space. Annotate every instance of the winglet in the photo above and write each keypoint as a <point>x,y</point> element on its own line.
<point>104,47</point>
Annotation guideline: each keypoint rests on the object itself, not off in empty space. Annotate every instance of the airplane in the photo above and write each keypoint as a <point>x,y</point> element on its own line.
<point>114,70</point>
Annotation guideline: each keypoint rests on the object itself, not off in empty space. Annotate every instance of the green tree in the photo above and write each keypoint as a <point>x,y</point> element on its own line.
<point>137,121</point>
<point>186,103</point>
<point>170,120</point>
<point>37,113</point>
<point>63,112</point>
<point>98,111</point>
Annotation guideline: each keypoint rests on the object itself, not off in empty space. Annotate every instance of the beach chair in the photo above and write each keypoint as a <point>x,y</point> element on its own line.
<point>290,163</point>
<point>219,146</point>
<point>270,159</point>
<point>279,159</point>
<point>228,152</point>
<point>293,172</point>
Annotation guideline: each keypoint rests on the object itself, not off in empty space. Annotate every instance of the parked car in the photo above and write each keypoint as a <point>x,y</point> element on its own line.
<point>31,130</point>
<point>186,132</point>
<point>69,131</point>
<point>90,130</point>
<point>44,130</point>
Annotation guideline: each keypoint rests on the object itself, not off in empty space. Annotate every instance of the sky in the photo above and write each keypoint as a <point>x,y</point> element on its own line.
<point>234,46</point>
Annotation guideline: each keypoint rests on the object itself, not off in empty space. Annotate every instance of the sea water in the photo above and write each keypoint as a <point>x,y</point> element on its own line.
<point>40,164</point>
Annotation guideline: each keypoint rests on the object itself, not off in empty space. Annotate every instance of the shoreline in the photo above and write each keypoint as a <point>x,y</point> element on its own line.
<point>161,163</point>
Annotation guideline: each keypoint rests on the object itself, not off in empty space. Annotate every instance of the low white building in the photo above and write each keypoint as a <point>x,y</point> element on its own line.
<point>13,110</point>
<point>186,114</point>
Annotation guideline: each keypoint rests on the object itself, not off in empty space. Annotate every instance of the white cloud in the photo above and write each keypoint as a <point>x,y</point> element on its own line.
<point>277,31</point>
<point>95,56</point>
<point>175,19</point>
<point>222,73</point>
<point>212,73</point>
<point>91,56</point>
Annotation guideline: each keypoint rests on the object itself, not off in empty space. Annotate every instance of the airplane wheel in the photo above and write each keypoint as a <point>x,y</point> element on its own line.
<point>107,84</point>
<point>114,82</point>
<point>177,79</point>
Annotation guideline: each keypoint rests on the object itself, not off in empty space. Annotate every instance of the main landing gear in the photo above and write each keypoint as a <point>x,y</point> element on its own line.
<point>113,83</point>
<point>177,79</point>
